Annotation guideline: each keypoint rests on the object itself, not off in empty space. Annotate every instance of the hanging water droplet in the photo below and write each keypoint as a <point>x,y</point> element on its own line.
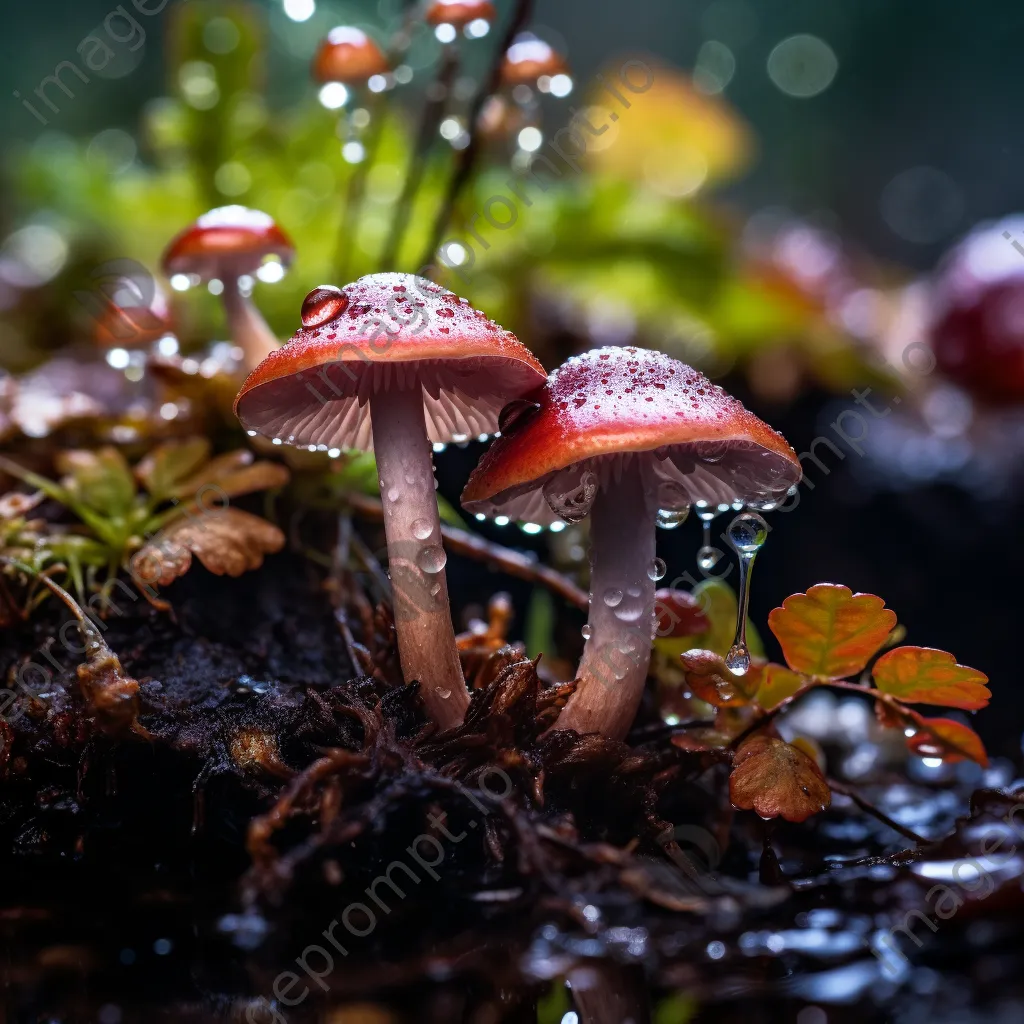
<point>439,446</point>
<point>422,528</point>
<point>432,558</point>
<point>707,557</point>
<point>612,597</point>
<point>737,661</point>
<point>586,631</point>
<point>669,519</point>
<point>747,533</point>
<point>657,569</point>
<point>737,505</point>
<point>571,495</point>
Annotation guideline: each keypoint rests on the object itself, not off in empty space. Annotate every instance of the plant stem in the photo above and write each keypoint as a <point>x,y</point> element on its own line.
<point>870,808</point>
<point>467,158</point>
<point>430,120</point>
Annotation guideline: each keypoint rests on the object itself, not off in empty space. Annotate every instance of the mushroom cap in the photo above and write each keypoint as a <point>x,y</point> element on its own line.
<point>350,56</point>
<point>231,241</point>
<point>460,12</point>
<point>528,58</point>
<point>698,442</point>
<point>386,331</point>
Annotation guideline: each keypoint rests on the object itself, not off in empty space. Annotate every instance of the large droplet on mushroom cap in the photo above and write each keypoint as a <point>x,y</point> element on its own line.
<point>629,437</point>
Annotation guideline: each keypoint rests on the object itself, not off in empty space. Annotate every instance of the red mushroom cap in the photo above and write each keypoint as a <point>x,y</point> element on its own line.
<point>350,56</point>
<point>528,58</point>
<point>701,443</point>
<point>382,331</point>
<point>460,12</point>
<point>231,240</point>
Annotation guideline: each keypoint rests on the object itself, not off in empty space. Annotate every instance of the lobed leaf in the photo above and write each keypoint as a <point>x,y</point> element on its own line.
<point>229,542</point>
<point>830,631</point>
<point>949,740</point>
<point>776,779</point>
<point>101,480</point>
<point>776,684</point>
<point>166,466</point>
<point>923,675</point>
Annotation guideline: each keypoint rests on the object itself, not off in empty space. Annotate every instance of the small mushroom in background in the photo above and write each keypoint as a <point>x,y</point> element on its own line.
<point>390,364</point>
<point>531,66</point>
<point>631,438</point>
<point>347,65</point>
<point>473,18</point>
<point>232,245</point>
<point>134,315</point>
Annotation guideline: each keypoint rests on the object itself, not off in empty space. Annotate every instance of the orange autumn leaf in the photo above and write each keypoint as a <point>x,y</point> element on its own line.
<point>708,678</point>
<point>949,740</point>
<point>923,675</point>
<point>774,778</point>
<point>830,631</point>
<point>777,683</point>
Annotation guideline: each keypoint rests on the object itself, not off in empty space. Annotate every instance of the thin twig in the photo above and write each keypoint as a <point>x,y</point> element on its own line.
<point>430,119</point>
<point>466,160</point>
<point>515,563</point>
<point>870,808</point>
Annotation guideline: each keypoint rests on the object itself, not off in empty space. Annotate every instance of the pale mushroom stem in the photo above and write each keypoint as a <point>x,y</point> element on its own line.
<point>611,676</point>
<point>249,331</point>
<point>423,621</point>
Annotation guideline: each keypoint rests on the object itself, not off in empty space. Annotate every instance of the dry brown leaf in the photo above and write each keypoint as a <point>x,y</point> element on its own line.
<point>773,778</point>
<point>229,542</point>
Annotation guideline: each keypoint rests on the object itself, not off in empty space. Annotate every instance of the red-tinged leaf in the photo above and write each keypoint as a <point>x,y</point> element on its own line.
<point>887,716</point>
<point>778,683</point>
<point>923,675</point>
<point>830,631</point>
<point>942,737</point>
<point>679,613</point>
<point>774,778</point>
<point>708,678</point>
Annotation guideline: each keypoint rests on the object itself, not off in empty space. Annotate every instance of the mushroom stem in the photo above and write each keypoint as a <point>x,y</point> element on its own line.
<point>423,621</point>
<point>249,331</point>
<point>611,676</point>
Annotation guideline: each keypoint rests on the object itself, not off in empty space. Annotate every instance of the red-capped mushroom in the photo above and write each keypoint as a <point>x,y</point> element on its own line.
<point>622,434</point>
<point>226,245</point>
<point>474,17</point>
<point>529,59</point>
<point>349,56</point>
<point>389,364</point>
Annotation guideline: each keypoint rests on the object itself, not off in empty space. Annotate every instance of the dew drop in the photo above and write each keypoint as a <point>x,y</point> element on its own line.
<point>422,528</point>
<point>394,494</point>
<point>586,631</point>
<point>571,495</point>
<point>737,661</point>
<point>657,569</point>
<point>432,558</point>
<point>516,413</point>
<point>670,519</point>
<point>435,589</point>
<point>612,597</point>
<point>444,694</point>
<point>711,451</point>
<point>322,305</point>
<point>748,532</point>
<point>708,557</point>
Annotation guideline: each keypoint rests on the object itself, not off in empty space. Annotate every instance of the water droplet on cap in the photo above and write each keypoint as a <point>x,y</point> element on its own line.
<point>322,305</point>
